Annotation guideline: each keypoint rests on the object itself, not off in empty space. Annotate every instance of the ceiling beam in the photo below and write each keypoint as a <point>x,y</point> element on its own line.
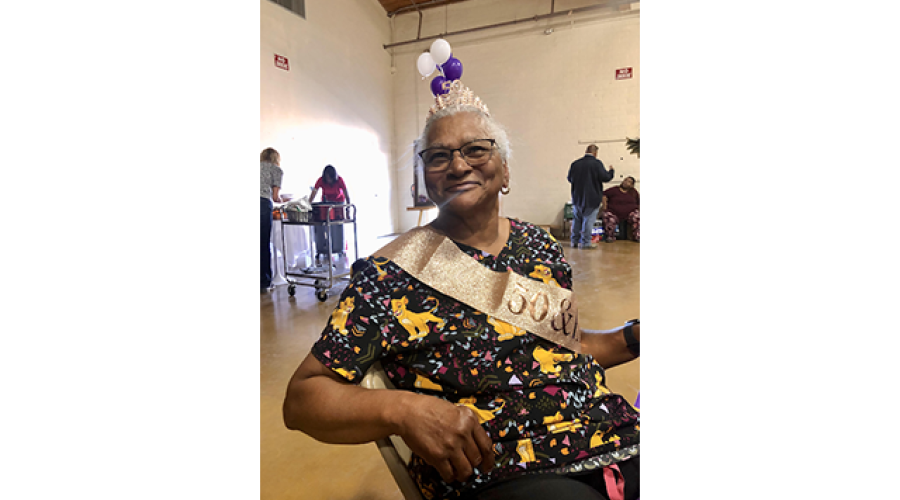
<point>418,5</point>
<point>508,23</point>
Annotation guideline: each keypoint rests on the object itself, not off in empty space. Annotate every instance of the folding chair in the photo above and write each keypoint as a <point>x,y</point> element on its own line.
<point>393,450</point>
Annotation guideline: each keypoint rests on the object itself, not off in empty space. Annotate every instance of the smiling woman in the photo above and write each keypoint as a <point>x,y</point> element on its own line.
<point>465,189</point>
<point>473,319</point>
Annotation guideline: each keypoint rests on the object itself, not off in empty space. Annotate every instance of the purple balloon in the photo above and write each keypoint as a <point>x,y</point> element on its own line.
<point>452,69</point>
<point>437,85</point>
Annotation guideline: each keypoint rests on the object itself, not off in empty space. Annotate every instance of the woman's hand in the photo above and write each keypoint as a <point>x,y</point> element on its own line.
<point>448,437</point>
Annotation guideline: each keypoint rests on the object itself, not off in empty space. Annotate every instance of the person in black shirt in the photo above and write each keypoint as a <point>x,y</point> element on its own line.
<point>587,175</point>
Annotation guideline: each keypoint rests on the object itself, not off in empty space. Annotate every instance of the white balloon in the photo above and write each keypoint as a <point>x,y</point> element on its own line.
<point>440,51</point>
<point>425,64</point>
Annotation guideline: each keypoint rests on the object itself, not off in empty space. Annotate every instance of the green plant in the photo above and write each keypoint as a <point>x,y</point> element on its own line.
<point>634,146</point>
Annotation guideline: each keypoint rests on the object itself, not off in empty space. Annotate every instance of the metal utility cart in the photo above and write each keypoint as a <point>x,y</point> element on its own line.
<point>324,218</point>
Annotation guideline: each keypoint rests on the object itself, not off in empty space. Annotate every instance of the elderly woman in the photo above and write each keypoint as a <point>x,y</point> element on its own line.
<point>472,318</point>
<point>270,174</point>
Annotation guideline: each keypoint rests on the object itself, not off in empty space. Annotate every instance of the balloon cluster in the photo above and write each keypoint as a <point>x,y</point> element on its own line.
<point>439,58</point>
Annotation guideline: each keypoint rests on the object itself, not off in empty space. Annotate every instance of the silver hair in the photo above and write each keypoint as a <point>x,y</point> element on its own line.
<point>490,125</point>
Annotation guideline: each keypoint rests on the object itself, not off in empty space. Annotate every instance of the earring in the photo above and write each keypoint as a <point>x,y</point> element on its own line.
<point>504,190</point>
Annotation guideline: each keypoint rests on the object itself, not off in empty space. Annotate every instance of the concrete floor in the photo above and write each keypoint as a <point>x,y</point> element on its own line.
<point>295,466</point>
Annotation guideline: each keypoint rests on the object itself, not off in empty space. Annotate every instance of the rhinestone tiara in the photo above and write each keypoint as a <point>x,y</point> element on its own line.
<point>458,95</point>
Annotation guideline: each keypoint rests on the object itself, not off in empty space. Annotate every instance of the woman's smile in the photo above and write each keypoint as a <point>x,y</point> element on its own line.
<point>463,186</point>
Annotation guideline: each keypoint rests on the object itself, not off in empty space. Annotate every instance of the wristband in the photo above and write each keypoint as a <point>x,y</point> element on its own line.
<point>633,344</point>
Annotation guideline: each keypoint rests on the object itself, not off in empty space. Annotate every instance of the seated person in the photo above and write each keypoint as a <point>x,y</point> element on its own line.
<point>472,317</point>
<point>620,204</point>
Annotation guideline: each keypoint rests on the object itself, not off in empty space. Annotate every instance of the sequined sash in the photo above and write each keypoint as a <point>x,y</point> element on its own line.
<point>542,309</point>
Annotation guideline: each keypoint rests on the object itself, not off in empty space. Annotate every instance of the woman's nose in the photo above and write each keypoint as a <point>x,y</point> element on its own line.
<point>458,164</point>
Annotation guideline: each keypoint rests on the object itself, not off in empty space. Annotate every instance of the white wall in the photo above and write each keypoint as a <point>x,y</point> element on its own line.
<point>554,93</point>
<point>333,106</point>
<point>349,102</point>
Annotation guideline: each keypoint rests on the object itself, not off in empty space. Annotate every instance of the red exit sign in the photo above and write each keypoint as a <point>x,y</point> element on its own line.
<point>282,62</point>
<point>623,74</point>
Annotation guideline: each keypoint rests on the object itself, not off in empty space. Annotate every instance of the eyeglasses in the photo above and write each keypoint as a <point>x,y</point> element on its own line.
<point>475,153</point>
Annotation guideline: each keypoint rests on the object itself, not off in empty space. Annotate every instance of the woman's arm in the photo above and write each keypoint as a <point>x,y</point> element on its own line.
<point>312,195</point>
<point>323,405</point>
<point>344,187</point>
<point>608,347</point>
<point>276,197</point>
<point>317,403</point>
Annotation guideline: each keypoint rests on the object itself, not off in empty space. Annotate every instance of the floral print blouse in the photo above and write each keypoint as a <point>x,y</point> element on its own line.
<point>543,406</point>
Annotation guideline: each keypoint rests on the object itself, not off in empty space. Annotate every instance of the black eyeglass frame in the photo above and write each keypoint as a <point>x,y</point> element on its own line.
<point>461,155</point>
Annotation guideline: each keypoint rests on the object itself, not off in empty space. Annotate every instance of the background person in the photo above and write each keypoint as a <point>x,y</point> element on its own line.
<point>333,190</point>
<point>621,204</point>
<point>270,175</point>
<point>332,186</point>
<point>587,175</point>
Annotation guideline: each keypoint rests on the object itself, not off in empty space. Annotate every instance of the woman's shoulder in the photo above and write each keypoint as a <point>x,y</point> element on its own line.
<point>265,165</point>
<point>538,253</point>
<point>523,225</point>
<point>531,232</point>
<point>376,273</point>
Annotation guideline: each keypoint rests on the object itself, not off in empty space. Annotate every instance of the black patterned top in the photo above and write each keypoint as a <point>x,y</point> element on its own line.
<point>543,406</point>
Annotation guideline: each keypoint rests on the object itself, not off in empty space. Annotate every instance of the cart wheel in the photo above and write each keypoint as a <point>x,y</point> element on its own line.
<point>321,295</point>
<point>291,290</point>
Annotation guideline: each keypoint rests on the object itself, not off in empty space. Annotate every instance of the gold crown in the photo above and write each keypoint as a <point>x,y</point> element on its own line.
<point>458,95</point>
